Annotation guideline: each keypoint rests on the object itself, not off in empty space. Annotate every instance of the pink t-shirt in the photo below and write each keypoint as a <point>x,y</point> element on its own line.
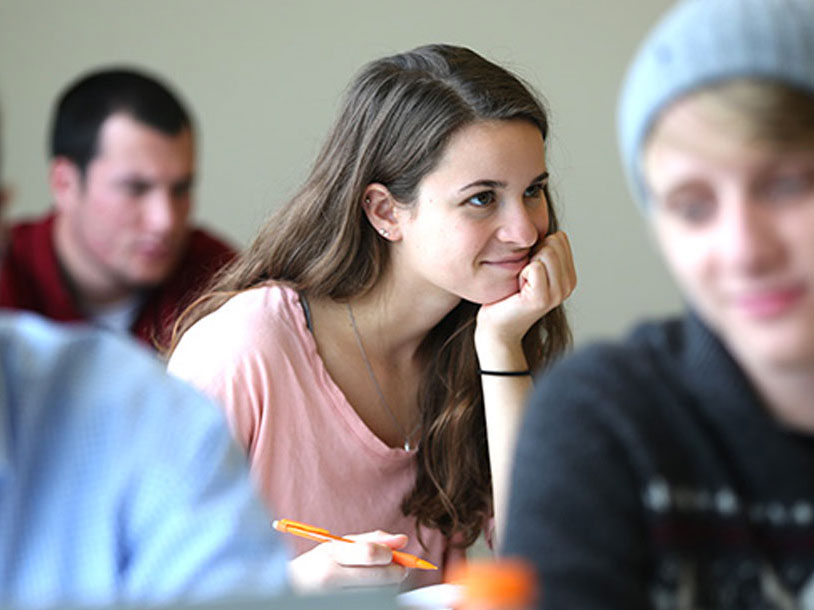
<point>313,458</point>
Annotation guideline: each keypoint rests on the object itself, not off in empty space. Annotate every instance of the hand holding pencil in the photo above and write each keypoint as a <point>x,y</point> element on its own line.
<point>322,535</point>
<point>371,559</point>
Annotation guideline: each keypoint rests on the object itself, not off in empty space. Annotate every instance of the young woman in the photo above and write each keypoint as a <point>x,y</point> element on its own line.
<point>372,347</point>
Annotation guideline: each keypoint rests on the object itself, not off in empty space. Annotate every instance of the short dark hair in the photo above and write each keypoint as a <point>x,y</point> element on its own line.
<point>90,100</point>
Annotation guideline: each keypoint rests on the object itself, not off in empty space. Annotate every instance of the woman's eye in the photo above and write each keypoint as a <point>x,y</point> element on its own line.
<point>482,199</point>
<point>534,191</point>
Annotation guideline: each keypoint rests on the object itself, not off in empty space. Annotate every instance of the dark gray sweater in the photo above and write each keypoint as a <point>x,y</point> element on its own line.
<point>649,475</point>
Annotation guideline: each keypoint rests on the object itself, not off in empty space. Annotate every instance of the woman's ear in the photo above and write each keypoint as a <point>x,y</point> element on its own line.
<point>380,207</point>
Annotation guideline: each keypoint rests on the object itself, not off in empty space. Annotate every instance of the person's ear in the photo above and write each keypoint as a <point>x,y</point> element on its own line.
<point>5,199</point>
<point>380,209</point>
<point>6,196</point>
<point>65,181</point>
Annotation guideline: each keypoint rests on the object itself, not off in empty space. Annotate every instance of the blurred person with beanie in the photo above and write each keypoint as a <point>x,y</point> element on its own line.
<point>675,468</point>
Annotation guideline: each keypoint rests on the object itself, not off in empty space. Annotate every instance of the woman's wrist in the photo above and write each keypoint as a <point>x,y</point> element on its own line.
<point>499,362</point>
<point>505,373</point>
<point>497,353</point>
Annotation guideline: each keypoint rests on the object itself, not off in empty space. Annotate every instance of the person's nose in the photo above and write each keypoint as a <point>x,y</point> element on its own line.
<point>749,241</point>
<point>519,225</point>
<point>165,211</point>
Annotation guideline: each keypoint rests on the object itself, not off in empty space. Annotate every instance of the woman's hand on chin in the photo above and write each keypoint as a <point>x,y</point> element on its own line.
<point>543,284</point>
<point>331,565</point>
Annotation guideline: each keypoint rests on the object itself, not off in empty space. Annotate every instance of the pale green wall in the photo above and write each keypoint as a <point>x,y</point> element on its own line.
<point>263,79</point>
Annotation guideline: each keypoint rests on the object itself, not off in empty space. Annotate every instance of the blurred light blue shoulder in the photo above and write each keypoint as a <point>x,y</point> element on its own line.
<point>39,354</point>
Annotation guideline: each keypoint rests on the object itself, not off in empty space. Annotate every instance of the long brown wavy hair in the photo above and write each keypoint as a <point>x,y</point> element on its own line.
<point>397,116</point>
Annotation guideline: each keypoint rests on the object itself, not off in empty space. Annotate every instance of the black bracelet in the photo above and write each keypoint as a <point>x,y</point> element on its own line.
<point>505,373</point>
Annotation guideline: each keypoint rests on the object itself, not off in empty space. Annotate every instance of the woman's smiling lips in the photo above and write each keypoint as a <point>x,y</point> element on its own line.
<point>513,264</point>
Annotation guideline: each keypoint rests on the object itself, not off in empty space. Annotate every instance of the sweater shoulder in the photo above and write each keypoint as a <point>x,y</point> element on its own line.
<point>27,237</point>
<point>648,349</point>
<point>202,241</point>
<point>205,254</point>
<point>634,386</point>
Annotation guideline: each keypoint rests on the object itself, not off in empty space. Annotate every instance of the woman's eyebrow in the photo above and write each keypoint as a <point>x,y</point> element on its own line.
<point>496,184</point>
<point>487,183</point>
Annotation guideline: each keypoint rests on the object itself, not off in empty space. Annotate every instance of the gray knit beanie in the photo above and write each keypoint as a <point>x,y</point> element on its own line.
<point>700,42</point>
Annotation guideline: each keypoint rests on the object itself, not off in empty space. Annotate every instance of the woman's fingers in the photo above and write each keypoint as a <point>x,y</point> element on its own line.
<point>566,270</point>
<point>368,561</point>
<point>372,548</point>
<point>550,277</point>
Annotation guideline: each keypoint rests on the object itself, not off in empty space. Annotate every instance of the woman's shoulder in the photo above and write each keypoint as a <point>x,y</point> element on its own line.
<point>263,318</point>
<point>268,298</point>
<point>267,308</point>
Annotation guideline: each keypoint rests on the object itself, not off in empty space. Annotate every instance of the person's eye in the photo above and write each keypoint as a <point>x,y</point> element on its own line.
<point>482,199</point>
<point>692,211</point>
<point>135,189</point>
<point>535,191</point>
<point>787,186</point>
<point>181,190</point>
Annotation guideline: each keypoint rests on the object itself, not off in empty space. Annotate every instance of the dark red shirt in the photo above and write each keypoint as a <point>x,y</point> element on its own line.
<point>31,278</point>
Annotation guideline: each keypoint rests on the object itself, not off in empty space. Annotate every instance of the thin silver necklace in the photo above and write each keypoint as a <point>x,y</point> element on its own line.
<point>408,438</point>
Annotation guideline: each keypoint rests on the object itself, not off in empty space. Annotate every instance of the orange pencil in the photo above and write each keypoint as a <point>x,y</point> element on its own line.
<point>321,535</point>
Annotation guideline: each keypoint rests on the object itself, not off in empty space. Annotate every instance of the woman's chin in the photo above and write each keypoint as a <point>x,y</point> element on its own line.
<point>492,294</point>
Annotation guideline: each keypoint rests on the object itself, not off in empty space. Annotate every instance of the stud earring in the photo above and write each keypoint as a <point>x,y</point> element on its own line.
<point>367,199</point>
<point>384,232</point>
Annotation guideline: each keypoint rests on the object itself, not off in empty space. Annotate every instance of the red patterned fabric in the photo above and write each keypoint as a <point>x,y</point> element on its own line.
<point>31,279</point>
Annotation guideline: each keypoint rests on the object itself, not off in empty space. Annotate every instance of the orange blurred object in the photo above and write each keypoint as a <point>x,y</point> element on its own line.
<point>503,584</point>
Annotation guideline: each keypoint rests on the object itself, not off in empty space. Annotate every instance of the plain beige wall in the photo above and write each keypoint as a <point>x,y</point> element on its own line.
<point>263,79</point>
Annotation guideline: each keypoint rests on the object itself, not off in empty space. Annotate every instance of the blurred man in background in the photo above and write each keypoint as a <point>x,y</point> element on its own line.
<point>117,249</point>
